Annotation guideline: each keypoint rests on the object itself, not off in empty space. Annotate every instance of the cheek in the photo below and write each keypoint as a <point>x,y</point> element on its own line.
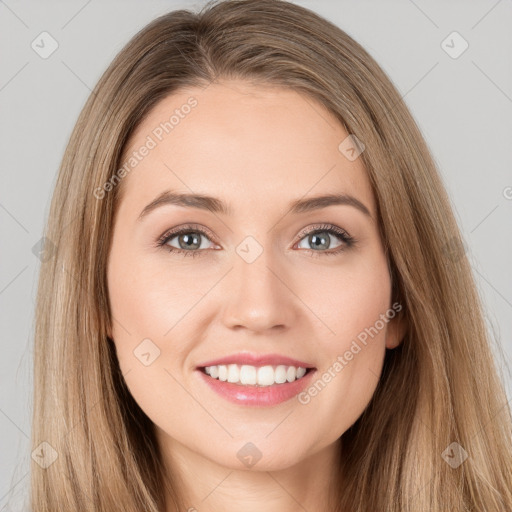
<point>139,303</point>
<point>138,307</point>
<point>144,308</point>
<point>352,356</point>
<point>349,300</point>
<point>144,294</point>
<point>153,307</point>
<point>353,303</point>
<point>364,299</point>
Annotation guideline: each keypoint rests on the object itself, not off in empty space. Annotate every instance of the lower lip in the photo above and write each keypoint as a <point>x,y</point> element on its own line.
<point>258,395</point>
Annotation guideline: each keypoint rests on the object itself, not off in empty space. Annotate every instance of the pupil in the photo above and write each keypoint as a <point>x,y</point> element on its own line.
<point>319,241</point>
<point>190,241</point>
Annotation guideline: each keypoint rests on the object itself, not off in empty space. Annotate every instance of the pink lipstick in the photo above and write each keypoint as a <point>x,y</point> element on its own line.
<point>257,380</point>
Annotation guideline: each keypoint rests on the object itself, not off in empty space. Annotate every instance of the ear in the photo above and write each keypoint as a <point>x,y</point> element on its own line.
<point>396,330</point>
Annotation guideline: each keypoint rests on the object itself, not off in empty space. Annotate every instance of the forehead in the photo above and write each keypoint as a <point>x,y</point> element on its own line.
<point>251,144</point>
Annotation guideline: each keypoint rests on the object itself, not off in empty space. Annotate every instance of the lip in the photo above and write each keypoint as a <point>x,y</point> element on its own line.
<point>257,360</point>
<point>259,396</point>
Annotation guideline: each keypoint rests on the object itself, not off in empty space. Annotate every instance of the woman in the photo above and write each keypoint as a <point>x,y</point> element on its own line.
<point>324,348</point>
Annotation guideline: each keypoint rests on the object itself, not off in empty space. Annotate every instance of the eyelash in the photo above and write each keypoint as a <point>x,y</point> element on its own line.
<point>347,240</point>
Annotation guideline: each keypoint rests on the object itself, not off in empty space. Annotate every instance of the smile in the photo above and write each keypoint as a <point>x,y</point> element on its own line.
<point>248,375</point>
<point>264,386</point>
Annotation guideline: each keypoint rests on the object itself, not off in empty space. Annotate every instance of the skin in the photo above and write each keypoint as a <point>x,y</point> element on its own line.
<point>257,148</point>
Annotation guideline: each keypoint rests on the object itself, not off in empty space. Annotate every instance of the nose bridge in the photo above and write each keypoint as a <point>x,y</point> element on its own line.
<point>258,298</point>
<point>254,270</point>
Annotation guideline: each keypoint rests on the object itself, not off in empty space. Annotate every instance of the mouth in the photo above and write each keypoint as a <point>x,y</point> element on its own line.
<point>256,386</point>
<point>256,376</point>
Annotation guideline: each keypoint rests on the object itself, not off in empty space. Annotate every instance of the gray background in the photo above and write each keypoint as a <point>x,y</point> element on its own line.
<point>463,106</point>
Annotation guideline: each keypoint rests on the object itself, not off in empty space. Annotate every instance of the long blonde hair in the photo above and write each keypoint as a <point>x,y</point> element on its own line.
<point>439,387</point>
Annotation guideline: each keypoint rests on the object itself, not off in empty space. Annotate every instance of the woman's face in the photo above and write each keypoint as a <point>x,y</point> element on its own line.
<point>259,275</point>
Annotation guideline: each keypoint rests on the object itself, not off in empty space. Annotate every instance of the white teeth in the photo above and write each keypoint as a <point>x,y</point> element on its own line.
<point>233,373</point>
<point>280,374</point>
<point>248,375</point>
<point>251,375</point>
<point>223,372</point>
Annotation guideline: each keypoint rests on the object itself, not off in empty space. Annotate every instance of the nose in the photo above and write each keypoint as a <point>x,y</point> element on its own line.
<point>259,296</point>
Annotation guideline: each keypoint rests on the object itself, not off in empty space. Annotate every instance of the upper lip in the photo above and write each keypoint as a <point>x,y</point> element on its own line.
<point>256,360</point>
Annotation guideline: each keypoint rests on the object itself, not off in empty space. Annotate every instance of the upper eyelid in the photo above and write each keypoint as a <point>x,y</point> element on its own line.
<point>170,233</point>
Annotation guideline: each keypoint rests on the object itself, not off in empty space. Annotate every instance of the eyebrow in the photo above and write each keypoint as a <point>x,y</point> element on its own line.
<point>215,205</point>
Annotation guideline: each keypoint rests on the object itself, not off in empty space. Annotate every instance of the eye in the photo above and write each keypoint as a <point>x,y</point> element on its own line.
<point>189,240</point>
<point>320,238</point>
